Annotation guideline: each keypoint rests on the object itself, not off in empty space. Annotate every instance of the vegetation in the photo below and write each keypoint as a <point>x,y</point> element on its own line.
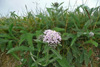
<point>80,31</point>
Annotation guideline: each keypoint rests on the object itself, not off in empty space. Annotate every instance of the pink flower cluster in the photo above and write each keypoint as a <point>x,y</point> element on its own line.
<point>51,37</point>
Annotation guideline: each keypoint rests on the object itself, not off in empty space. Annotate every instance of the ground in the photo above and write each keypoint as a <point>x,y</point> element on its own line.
<point>8,60</point>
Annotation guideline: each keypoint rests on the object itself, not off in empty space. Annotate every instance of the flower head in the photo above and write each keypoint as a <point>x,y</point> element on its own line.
<point>51,37</point>
<point>91,34</point>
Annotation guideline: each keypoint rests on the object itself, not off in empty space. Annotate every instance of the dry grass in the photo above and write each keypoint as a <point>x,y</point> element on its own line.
<point>8,60</point>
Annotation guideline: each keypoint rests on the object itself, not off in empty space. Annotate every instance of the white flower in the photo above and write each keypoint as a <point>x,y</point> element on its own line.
<point>91,34</point>
<point>51,37</point>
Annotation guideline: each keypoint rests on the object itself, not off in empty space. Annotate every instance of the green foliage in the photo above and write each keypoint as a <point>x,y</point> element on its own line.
<point>19,36</point>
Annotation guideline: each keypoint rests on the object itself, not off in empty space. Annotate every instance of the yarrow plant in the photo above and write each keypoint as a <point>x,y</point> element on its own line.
<point>52,37</point>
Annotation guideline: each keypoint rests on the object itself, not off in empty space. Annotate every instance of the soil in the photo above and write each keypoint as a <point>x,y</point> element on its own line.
<point>7,60</point>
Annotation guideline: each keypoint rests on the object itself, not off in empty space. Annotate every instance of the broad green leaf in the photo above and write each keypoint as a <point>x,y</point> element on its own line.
<point>90,53</point>
<point>2,41</point>
<point>63,62</point>
<point>10,31</point>
<point>59,29</point>
<point>54,59</point>
<point>5,35</point>
<point>20,48</point>
<point>46,48</point>
<point>38,33</point>
<point>2,47</point>
<point>66,36</point>
<point>38,41</point>
<point>69,57</point>
<point>75,51</point>
<point>92,42</point>
<point>29,39</point>
<point>79,34</point>
<point>87,24</point>
<point>4,27</point>
<point>86,57</point>
<point>16,56</point>
<point>10,28</point>
<point>10,45</point>
<point>81,58</point>
<point>22,38</point>
<point>76,21</point>
<point>39,47</point>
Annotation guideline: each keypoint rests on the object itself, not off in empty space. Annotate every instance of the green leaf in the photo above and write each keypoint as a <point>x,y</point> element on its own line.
<point>73,41</point>
<point>79,34</point>
<point>96,30</point>
<point>38,33</point>
<point>39,47</point>
<point>54,59</point>
<point>81,58</point>
<point>92,42</point>
<point>5,35</point>
<point>2,41</point>
<point>69,57</point>
<point>10,31</point>
<point>10,28</point>
<point>86,57</point>
<point>4,27</point>
<point>19,48</point>
<point>56,53</point>
<point>46,48</point>
<point>2,47</point>
<point>59,29</point>
<point>16,56</point>
<point>10,45</point>
<point>90,53</point>
<point>63,62</point>
<point>75,51</point>
<point>29,39</point>
<point>22,38</point>
<point>87,24</point>
<point>76,21</point>
<point>66,36</point>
